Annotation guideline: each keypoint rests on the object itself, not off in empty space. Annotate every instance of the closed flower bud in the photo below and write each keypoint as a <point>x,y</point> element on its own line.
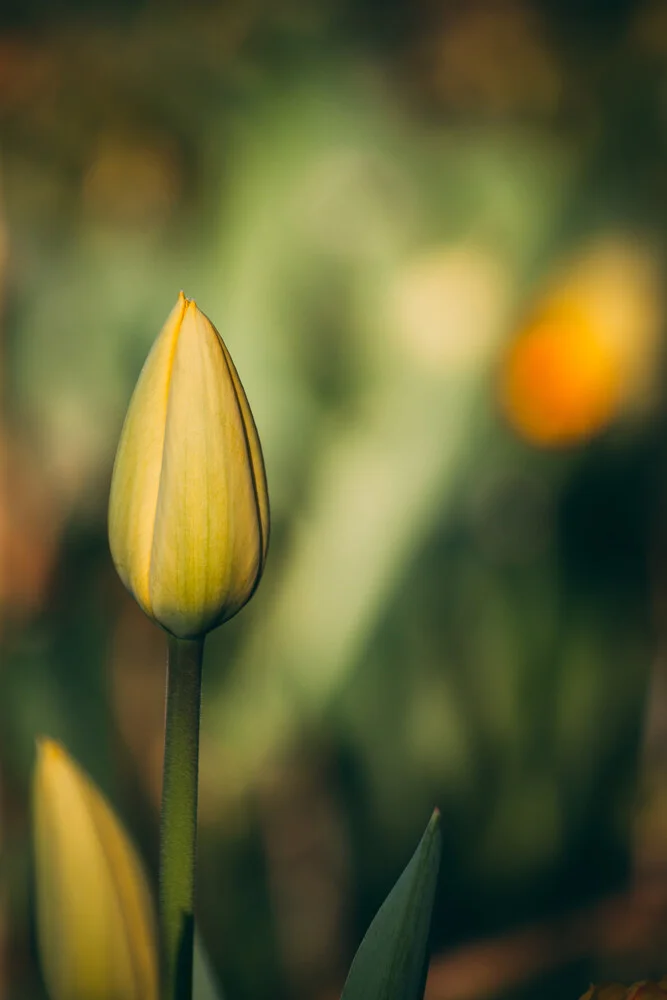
<point>189,510</point>
<point>94,912</point>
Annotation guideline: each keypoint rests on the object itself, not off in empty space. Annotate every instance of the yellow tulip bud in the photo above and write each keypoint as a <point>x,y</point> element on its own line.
<point>94,913</point>
<point>189,509</point>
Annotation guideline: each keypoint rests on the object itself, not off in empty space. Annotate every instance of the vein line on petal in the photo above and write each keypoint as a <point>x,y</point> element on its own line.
<point>91,795</point>
<point>237,386</point>
<point>50,951</point>
<point>184,303</point>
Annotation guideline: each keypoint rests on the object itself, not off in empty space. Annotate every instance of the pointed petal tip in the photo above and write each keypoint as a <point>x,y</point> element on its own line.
<point>183,303</point>
<point>48,748</point>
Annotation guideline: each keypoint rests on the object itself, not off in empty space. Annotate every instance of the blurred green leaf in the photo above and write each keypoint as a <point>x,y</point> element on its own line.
<point>204,985</point>
<point>392,959</point>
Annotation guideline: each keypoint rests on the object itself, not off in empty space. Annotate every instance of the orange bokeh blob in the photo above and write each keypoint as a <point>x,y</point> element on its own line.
<point>561,381</point>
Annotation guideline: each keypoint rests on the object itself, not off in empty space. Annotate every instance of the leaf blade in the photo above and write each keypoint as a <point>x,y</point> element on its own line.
<point>392,960</point>
<point>204,980</point>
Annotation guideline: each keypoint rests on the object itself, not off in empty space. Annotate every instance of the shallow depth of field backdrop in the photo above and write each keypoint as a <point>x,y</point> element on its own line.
<point>433,237</point>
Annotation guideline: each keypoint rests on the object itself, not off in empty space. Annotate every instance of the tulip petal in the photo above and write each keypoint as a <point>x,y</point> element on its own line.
<point>206,544</point>
<point>94,914</point>
<point>136,475</point>
<point>255,453</point>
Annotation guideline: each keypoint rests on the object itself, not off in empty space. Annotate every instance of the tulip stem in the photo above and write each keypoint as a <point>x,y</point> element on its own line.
<point>178,825</point>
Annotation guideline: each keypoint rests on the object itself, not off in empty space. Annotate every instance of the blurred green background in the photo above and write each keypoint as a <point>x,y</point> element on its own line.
<point>432,234</point>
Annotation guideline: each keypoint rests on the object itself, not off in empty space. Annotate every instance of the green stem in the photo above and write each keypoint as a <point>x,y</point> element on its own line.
<point>178,825</point>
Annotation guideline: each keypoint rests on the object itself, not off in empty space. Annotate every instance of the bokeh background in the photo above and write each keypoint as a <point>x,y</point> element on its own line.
<point>432,234</point>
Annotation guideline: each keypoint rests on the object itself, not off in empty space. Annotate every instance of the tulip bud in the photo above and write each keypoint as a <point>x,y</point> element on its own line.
<point>189,509</point>
<point>94,913</point>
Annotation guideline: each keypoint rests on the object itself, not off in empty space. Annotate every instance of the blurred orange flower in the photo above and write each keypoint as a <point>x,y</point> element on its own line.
<point>589,351</point>
<point>562,381</point>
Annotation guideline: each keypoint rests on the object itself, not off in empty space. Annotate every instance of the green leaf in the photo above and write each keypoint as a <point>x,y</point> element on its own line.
<point>204,985</point>
<point>392,960</point>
